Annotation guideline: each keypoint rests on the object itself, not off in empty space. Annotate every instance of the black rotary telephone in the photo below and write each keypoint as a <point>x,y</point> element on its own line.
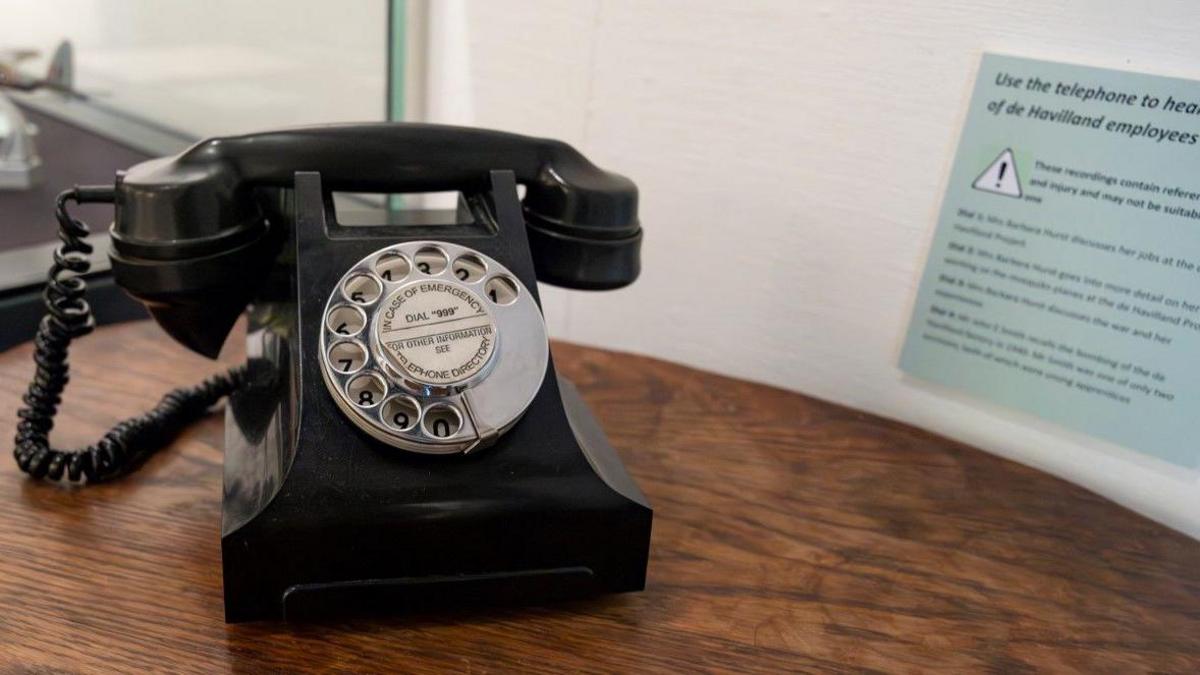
<point>398,437</point>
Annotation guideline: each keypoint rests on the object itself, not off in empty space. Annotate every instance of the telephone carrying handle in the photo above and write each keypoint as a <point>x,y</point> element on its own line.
<point>203,191</point>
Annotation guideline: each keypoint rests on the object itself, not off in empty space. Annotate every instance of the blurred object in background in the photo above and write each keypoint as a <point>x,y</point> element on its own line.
<point>60,75</point>
<point>20,166</point>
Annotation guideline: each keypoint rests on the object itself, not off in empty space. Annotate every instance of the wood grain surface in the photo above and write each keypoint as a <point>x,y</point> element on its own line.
<point>789,535</point>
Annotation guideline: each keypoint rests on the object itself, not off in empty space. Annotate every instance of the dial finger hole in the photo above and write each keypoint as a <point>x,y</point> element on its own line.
<point>441,421</point>
<point>362,289</point>
<point>501,290</point>
<point>366,390</point>
<point>468,268</point>
<point>392,267</point>
<point>400,413</point>
<point>345,320</point>
<point>430,260</point>
<point>347,357</point>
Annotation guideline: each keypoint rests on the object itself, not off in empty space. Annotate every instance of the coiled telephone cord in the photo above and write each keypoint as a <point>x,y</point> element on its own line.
<point>68,316</point>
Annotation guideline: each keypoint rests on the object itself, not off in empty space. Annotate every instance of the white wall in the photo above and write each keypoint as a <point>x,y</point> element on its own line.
<point>217,66</point>
<point>791,157</point>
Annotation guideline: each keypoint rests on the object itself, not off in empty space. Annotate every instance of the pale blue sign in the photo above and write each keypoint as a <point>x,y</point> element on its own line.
<point>1064,275</point>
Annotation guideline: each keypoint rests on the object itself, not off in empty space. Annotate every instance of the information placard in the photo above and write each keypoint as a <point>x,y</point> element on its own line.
<point>1064,275</point>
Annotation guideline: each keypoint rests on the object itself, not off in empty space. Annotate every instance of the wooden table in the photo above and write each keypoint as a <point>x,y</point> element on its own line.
<point>789,534</point>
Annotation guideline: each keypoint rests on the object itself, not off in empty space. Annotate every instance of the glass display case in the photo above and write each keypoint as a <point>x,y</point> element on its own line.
<point>92,87</point>
<point>140,79</point>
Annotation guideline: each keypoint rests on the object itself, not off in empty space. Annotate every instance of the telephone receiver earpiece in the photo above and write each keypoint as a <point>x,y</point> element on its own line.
<point>191,241</point>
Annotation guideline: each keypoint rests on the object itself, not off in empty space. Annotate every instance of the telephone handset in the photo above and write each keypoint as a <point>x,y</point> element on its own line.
<point>183,222</point>
<point>371,349</point>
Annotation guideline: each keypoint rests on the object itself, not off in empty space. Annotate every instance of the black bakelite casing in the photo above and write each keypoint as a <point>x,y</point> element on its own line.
<point>320,520</point>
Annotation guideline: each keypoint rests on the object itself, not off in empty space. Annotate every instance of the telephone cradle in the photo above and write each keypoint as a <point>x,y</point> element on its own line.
<point>398,440</point>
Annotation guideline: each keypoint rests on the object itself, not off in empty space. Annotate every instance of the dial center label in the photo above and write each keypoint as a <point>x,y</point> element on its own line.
<point>436,333</point>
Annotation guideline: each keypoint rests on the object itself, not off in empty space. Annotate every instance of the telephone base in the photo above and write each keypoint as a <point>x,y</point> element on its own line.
<point>319,518</point>
<point>538,542</point>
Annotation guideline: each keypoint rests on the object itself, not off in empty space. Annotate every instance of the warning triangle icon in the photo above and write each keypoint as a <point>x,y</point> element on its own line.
<point>1000,176</point>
